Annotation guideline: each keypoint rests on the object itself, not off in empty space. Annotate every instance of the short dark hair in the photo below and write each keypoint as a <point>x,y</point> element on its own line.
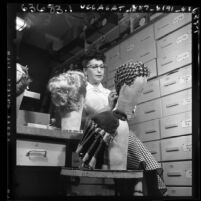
<point>92,54</point>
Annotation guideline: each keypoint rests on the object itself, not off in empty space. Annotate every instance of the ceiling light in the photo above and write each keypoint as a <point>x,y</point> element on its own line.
<point>20,24</point>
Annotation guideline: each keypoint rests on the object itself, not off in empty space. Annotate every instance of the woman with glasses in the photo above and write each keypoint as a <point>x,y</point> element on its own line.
<point>98,98</point>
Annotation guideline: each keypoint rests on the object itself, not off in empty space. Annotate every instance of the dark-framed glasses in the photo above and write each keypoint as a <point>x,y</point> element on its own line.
<point>102,66</point>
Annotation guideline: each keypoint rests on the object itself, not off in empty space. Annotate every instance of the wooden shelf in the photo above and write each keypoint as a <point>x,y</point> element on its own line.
<point>137,174</point>
<point>52,133</point>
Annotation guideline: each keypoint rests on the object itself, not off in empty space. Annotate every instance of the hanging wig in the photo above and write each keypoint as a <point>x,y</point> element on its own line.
<point>126,74</point>
<point>22,79</point>
<point>67,91</point>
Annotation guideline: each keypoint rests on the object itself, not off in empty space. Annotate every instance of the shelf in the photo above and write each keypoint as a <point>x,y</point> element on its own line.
<point>53,133</point>
<point>137,174</point>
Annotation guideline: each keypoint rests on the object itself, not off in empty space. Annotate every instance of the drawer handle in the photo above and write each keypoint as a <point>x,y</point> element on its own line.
<point>150,131</point>
<point>165,25</point>
<point>148,91</point>
<point>166,63</point>
<point>172,149</point>
<point>174,174</point>
<point>170,83</point>
<point>145,38</point>
<point>166,45</point>
<point>172,105</point>
<point>153,152</point>
<point>150,111</point>
<point>37,153</point>
<point>145,54</point>
<point>171,126</point>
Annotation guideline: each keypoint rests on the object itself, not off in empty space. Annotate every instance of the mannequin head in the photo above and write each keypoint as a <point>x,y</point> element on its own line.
<point>68,92</point>
<point>130,80</point>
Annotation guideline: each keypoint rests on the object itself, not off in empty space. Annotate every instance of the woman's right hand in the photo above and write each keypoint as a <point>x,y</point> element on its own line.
<point>112,97</point>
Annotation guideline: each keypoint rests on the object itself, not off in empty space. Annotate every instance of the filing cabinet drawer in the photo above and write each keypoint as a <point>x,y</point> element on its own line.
<point>176,81</point>
<point>175,125</point>
<point>152,67</point>
<point>93,190</point>
<point>32,153</point>
<point>176,41</point>
<point>170,23</point>
<point>127,49</point>
<point>179,191</point>
<point>146,52</point>
<point>150,91</point>
<point>145,44</point>
<point>147,131</point>
<point>177,60</point>
<point>146,34</point>
<point>178,173</point>
<point>177,103</point>
<point>174,51</point>
<point>154,148</point>
<point>178,148</point>
<point>148,111</point>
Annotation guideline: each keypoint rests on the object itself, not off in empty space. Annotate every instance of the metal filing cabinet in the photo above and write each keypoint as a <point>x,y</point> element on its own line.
<point>163,118</point>
<point>178,173</point>
<point>177,102</point>
<point>176,125</point>
<point>147,131</point>
<point>176,81</point>
<point>174,50</point>
<point>178,148</point>
<point>170,23</point>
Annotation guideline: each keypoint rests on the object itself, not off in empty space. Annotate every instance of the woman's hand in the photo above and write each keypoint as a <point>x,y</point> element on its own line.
<point>112,98</point>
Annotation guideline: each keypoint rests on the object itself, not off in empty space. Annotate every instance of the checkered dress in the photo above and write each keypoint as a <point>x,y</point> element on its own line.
<point>139,157</point>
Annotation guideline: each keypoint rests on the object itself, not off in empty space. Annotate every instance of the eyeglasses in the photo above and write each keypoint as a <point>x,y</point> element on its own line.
<point>96,66</point>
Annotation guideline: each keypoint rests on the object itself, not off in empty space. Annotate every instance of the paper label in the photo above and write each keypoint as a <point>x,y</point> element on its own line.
<point>189,173</point>
<point>186,123</point>
<point>187,147</point>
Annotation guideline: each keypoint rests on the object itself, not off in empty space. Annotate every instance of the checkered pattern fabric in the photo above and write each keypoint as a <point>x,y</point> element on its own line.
<point>139,157</point>
<point>127,73</point>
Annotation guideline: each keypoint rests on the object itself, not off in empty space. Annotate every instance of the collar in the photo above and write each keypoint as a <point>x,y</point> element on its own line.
<point>99,87</point>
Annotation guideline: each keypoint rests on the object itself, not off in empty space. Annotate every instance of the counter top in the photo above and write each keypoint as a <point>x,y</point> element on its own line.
<point>52,133</point>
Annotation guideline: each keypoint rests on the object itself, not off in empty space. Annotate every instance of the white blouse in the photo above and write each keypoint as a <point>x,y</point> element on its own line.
<point>96,98</point>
